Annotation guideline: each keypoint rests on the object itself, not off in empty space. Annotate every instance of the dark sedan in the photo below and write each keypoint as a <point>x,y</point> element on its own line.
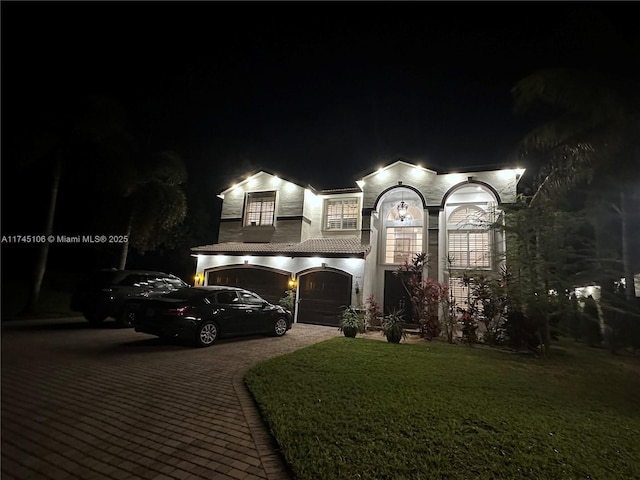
<point>203,314</point>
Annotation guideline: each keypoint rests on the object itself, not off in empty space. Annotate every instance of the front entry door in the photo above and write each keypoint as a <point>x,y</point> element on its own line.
<point>395,296</point>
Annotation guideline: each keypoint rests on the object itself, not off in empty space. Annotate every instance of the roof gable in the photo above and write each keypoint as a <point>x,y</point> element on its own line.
<point>262,176</point>
<point>397,167</point>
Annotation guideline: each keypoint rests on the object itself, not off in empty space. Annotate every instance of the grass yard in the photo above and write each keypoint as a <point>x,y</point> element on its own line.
<point>367,409</point>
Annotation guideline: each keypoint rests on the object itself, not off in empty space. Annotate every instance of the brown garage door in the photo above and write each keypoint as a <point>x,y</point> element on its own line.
<point>323,296</point>
<point>269,284</point>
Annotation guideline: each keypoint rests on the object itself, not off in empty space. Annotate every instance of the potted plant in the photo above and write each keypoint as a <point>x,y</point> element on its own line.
<point>351,322</point>
<point>393,326</point>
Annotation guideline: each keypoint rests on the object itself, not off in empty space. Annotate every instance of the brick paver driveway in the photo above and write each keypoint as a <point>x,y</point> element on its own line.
<point>109,403</point>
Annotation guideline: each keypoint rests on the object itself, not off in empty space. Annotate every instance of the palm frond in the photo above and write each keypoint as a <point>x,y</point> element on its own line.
<point>594,125</point>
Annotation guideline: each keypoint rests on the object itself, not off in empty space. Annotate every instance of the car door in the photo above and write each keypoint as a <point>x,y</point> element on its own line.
<point>229,313</point>
<point>256,316</point>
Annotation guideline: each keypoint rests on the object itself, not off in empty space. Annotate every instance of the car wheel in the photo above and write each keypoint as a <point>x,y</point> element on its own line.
<point>127,316</point>
<point>207,334</point>
<point>280,327</point>
<point>94,319</point>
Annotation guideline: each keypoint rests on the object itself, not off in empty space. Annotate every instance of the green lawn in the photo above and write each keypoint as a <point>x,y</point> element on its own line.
<point>367,409</point>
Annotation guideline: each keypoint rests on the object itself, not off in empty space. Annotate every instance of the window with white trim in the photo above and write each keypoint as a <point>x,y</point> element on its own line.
<point>469,239</point>
<point>402,243</point>
<point>341,214</point>
<point>260,208</point>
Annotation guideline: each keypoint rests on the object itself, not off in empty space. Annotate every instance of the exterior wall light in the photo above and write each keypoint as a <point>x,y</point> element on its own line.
<point>292,283</point>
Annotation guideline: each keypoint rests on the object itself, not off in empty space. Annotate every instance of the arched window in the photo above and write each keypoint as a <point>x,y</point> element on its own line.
<point>403,231</point>
<point>469,242</point>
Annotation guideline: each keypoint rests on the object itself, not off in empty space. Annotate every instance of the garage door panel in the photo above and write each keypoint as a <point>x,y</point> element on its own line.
<point>323,296</point>
<point>319,312</point>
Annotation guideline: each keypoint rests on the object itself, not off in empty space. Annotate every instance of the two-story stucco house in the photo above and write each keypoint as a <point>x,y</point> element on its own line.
<point>337,247</point>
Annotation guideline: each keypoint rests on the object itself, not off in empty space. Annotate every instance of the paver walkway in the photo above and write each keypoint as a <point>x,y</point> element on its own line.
<point>109,403</point>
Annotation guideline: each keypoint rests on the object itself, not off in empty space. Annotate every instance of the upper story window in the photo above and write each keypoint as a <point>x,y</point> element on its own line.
<point>402,243</point>
<point>469,239</point>
<point>403,229</point>
<point>261,208</point>
<point>341,214</point>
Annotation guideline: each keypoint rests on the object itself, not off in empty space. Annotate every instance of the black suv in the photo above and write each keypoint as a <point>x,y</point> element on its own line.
<point>116,293</point>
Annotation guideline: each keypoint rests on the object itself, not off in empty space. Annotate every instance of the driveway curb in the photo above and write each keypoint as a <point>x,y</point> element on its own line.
<point>266,447</point>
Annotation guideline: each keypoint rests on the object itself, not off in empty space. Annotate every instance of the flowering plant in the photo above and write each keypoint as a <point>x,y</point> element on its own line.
<point>373,312</point>
<point>426,294</point>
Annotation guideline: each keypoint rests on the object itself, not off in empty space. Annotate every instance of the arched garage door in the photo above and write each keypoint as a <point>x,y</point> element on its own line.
<point>322,296</point>
<point>269,284</point>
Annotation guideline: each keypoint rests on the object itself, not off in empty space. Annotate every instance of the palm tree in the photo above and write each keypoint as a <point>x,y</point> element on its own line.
<point>593,137</point>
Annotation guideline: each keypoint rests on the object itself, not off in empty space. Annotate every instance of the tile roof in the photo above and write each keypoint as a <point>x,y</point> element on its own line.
<point>326,247</point>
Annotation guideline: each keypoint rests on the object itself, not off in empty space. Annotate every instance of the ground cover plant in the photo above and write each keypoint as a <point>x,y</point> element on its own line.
<point>367,409</point>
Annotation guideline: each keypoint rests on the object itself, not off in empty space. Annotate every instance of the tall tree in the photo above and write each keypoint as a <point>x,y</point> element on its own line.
<point>92,132</point>
<point>592,137</point>
<point>549,251</point>
<point>154,203</point>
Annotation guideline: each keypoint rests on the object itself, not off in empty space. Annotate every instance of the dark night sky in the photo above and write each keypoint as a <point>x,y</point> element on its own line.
<point>315,91</point>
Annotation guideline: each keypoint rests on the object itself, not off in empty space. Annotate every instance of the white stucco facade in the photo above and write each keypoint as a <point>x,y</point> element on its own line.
<point>357,236</point>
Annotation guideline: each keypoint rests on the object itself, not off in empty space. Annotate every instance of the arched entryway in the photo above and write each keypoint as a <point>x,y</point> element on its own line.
<point>270,284</point>
<point>322,295</point>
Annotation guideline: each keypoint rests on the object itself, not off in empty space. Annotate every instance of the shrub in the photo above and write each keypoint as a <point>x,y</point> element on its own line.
<point>289,300</point>
<point>427,295</point>
<point>469,328</point>
<point>521,331</point>
<point>591,332</point>
<point>488,303</point>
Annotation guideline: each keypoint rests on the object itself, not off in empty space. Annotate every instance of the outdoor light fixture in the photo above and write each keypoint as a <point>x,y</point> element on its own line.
<point>402,210</point>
